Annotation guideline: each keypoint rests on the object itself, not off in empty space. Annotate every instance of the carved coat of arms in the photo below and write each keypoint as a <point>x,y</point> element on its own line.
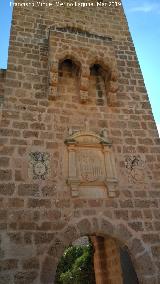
<point>39,162</point>
<point>90,165</point>
<point>135,167</point>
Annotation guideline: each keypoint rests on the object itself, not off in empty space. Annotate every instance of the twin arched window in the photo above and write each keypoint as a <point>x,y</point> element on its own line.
<point>97,81</point>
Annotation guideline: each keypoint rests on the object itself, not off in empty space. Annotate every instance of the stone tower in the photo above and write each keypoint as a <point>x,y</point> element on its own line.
<point>80,153</point>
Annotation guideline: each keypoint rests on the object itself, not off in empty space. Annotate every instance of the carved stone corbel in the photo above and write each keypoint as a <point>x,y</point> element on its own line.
<point>113,88</point>
<point>83,96</point>
<point>114,75</point>
<point>53,80</point>
<point>112,187</point>
<point>84,84</point>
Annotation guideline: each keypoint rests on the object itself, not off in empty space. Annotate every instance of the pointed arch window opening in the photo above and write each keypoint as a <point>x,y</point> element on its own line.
<point>69,69</point>
<point>102,78</point>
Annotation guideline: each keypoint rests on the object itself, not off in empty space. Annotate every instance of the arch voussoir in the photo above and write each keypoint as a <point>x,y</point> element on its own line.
<point>84,227</point>
<point>145,264</point>
<point>99,226</point>
<point>48,271</point>
<point>107,228</point>
<point>70,234</point>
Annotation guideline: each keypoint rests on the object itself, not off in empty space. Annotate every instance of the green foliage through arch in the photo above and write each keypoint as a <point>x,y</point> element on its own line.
<point>76,266</point>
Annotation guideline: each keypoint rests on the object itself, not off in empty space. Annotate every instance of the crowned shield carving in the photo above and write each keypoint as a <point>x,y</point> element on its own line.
<point>91,165</point>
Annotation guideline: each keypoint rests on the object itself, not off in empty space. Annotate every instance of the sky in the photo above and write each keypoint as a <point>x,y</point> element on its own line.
<point>144,22</point>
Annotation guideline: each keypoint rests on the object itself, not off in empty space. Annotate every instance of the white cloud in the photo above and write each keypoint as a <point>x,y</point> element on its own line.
<point>146,8</point>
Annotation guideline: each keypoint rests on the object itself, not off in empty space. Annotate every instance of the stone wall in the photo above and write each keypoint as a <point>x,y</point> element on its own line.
<point>2,82</point>
<point>45,104</point>
<point>107,261</point>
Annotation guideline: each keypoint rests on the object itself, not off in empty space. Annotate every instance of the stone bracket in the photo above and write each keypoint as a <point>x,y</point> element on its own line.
<point>53,80</point>
<point>113,88</point>
<point>74,185</point>
<point>84,84</point>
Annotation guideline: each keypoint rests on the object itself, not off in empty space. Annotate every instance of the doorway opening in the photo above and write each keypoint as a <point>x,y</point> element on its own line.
<point>96,260</point>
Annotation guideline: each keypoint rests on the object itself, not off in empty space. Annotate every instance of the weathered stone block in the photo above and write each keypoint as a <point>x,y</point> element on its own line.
<point>8,264</point>
<point>28,190</point>
<point>36,203</point>
<point>7,188</point>
<point>42,238</point>
<point>5,175</point>
<point>31,263</point>
<point>4,162</point>
<point>25,277</point>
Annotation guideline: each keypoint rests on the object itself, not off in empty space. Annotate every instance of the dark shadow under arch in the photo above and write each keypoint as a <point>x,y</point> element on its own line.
<point>69,73</point>
<point>69,67</point>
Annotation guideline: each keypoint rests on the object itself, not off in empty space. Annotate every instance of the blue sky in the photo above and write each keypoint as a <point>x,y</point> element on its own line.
<point>144,21</point>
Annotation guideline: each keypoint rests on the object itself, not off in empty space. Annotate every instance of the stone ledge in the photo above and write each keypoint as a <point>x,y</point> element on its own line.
<point>80,33</point>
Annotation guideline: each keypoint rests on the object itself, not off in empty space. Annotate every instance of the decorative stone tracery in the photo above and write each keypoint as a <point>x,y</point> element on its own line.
<point>91,165</point>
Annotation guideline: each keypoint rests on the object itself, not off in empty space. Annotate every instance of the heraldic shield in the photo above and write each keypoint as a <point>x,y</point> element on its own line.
<point>91,165</point>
